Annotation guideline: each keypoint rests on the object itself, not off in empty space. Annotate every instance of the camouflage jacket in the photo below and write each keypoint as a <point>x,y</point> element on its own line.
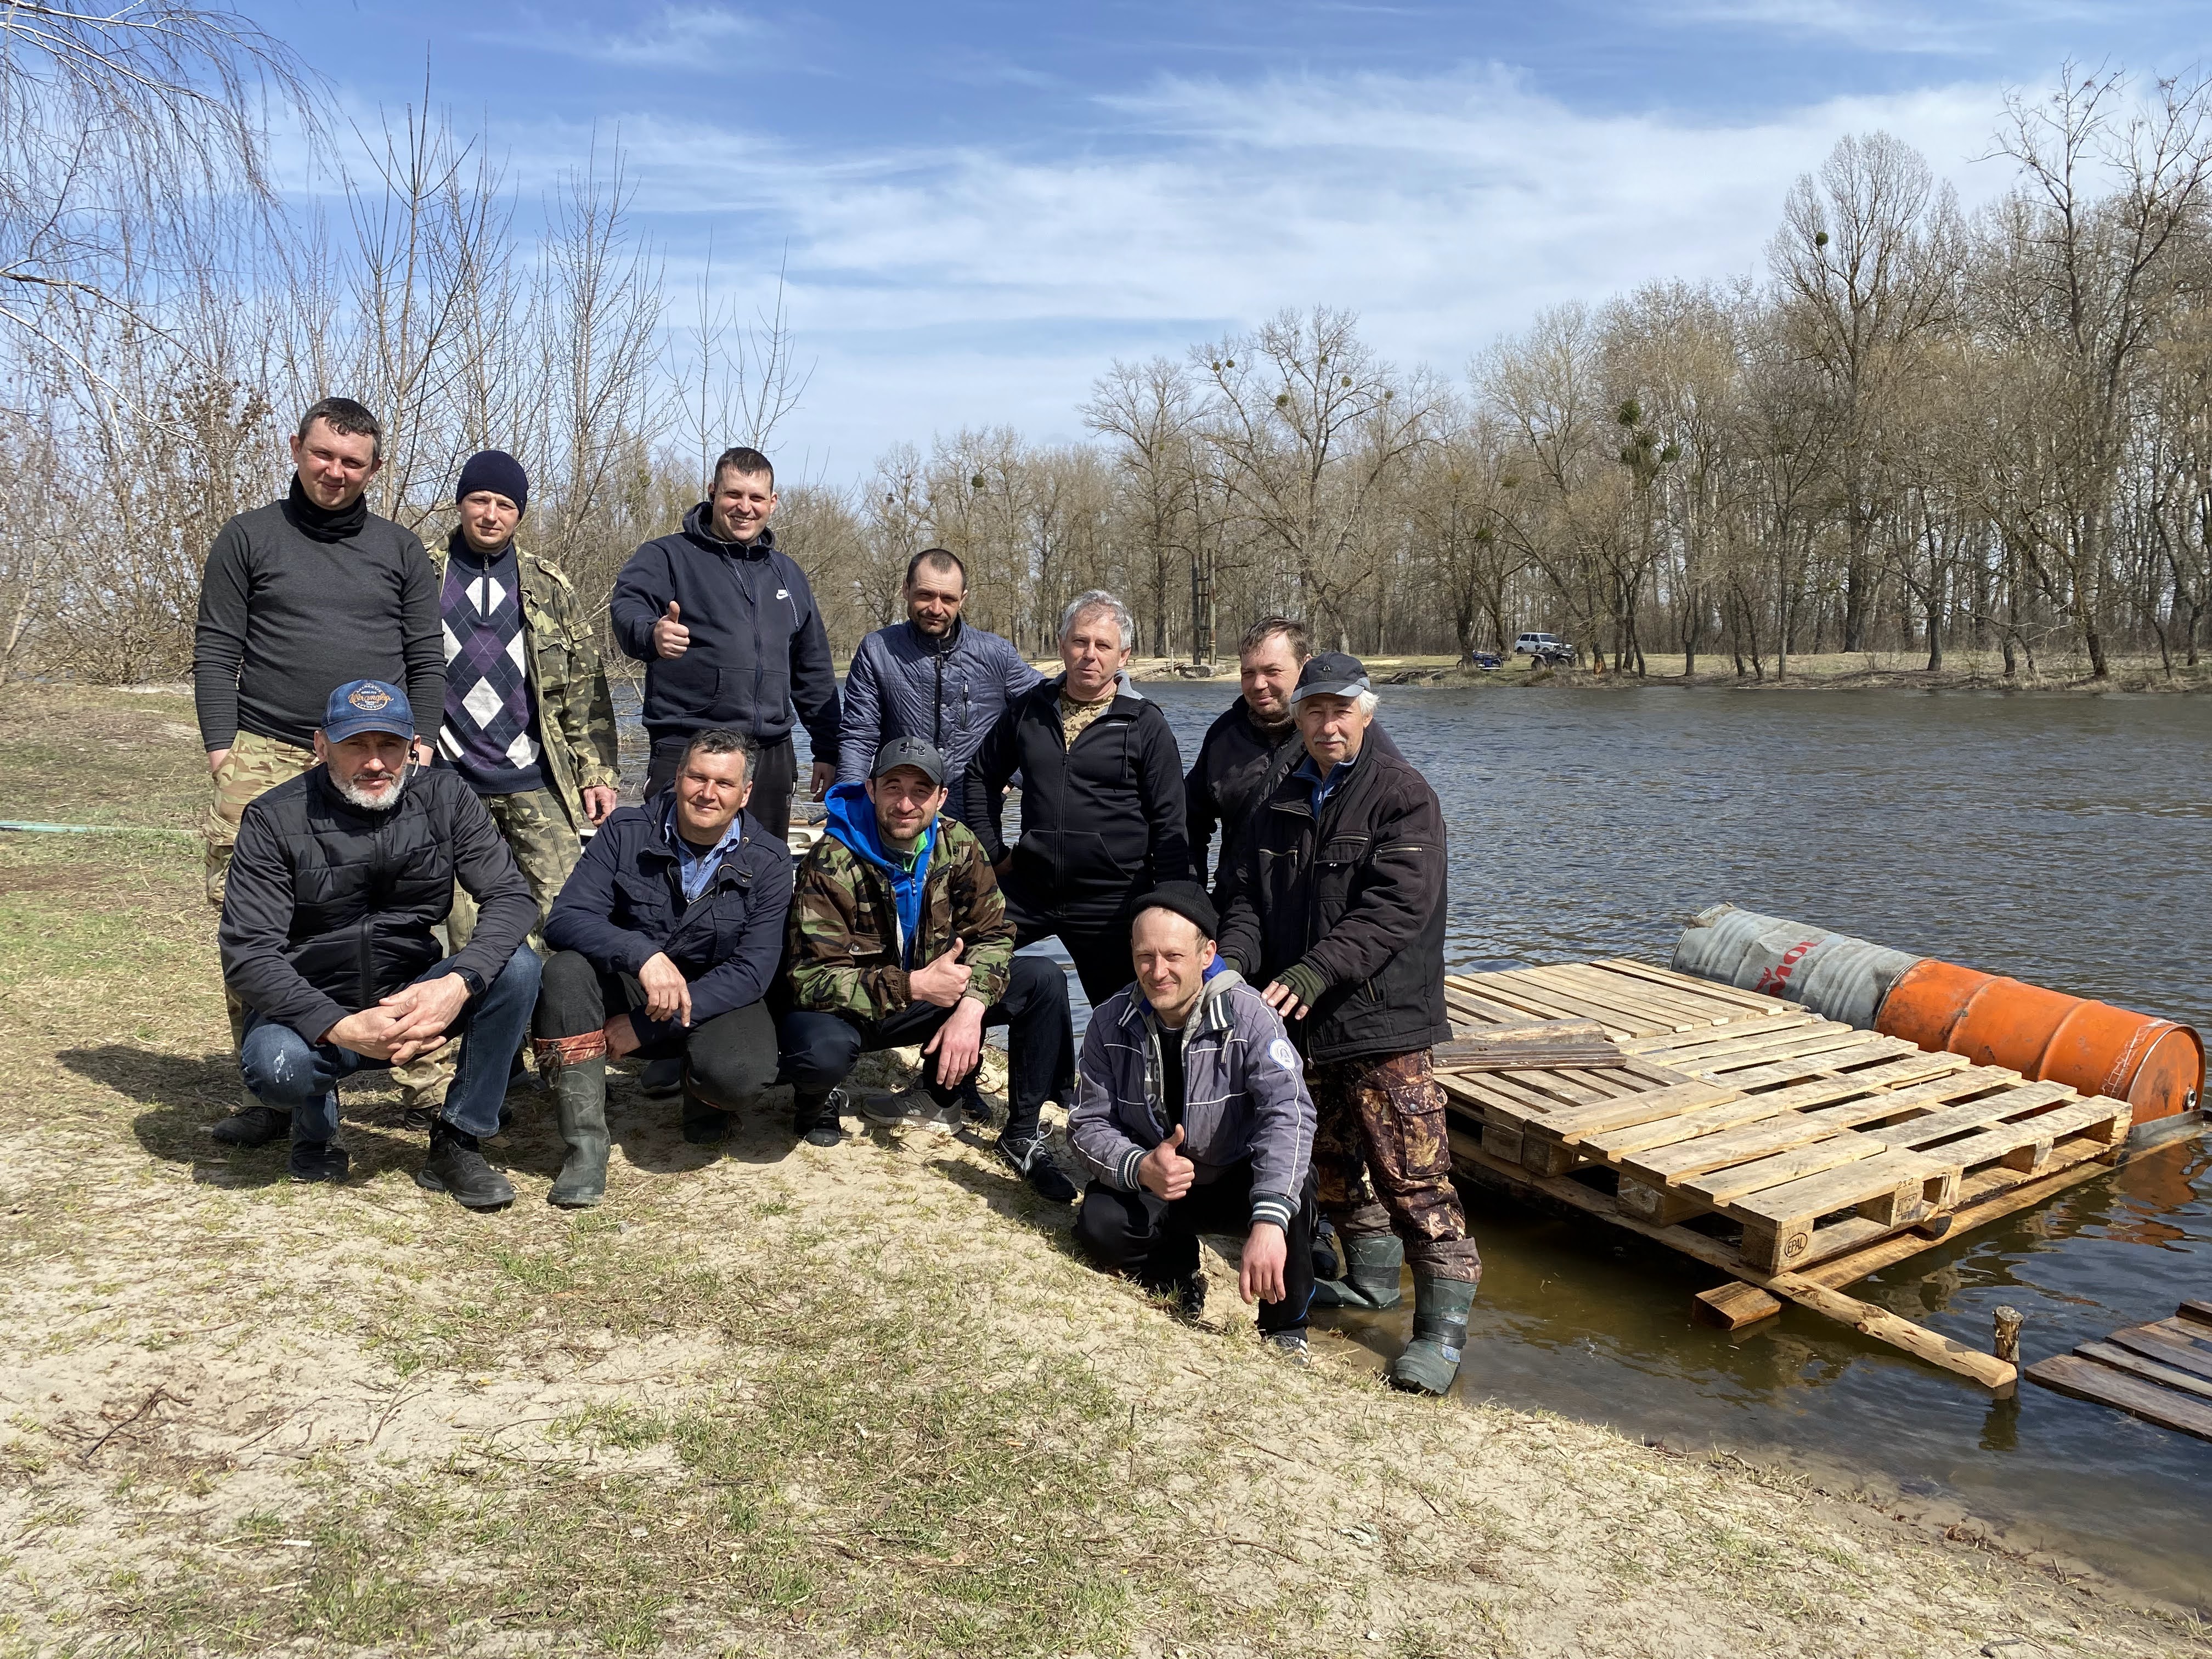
<point>842,951</point>
<point>575,714</point>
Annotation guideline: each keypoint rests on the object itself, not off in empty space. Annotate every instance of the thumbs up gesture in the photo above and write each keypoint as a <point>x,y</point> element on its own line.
<point>671,638</point>
<point>1164,1171</point>
<point>943,982</point>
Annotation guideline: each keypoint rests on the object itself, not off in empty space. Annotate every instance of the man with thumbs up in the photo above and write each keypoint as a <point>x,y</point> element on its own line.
<point>898,935</point>
<point>1191,1111</point>
<point>726,625</point>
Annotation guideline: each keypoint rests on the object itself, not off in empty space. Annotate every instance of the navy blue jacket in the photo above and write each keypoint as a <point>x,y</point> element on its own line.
<point>624,902</point>
<point>947,692</point>
<point>757,644</point>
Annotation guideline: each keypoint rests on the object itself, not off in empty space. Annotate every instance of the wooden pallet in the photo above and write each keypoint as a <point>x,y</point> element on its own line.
<point>1623,997</point>
<point>2160,1372</point>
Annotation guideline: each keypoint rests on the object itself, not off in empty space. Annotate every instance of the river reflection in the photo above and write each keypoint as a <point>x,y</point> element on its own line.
<point>2061,840</point>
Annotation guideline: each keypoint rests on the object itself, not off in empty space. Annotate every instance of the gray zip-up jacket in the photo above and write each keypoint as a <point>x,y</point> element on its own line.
<point>1244,1094</point>
<point>948,692</point>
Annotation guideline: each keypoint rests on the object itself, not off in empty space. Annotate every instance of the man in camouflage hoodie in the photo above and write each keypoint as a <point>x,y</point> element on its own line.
<point>898,935</point>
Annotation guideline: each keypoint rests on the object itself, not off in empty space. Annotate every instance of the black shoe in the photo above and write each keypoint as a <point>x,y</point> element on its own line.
<point>816,1121</point>
<point>1033,1160</point>
<point>661,1078</point>
<point>318,1160</point>
<point>705,1125</point>
<point>253,1125</point>
<point>972,1107</point>
<point>455,1166</point>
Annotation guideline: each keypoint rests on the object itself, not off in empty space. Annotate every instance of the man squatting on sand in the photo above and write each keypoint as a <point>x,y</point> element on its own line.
<point>899,935</point>
<point>297,596</point>
<point>666,940</point>
<point>337,879</point>
<point>1350,947</point>
<point>1191,1111</point>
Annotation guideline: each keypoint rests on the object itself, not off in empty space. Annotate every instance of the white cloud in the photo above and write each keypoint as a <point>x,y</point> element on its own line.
<point>674,38</point>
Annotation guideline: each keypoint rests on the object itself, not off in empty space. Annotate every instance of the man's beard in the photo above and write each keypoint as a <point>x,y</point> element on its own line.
<point>368,803</point>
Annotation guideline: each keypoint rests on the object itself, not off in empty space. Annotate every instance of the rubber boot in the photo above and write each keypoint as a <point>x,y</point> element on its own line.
<point>1371,1261</point>
<point>1431,1360</point>
<point>580,1103</point>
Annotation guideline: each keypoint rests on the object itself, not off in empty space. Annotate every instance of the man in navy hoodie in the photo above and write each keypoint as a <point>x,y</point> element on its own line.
<point>725,624</point>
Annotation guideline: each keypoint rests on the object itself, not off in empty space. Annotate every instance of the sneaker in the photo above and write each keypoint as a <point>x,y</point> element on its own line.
<point>817,1122</point>
<point>972,1107</point>
<point>705,1125</point>
<point>318,1160</point>
<point>252,1125</point>
<point>661,1078</point>
<point>909,1106</point>
<point>1292,1345</point>
<point>1033,1161</point>
<point>456,1166</point>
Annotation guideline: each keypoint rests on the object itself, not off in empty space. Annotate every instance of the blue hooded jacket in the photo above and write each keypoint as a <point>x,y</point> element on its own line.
<point>852,821</point>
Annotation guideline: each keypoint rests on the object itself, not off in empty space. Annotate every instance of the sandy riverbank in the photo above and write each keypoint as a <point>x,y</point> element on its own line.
<point>781,1400</point>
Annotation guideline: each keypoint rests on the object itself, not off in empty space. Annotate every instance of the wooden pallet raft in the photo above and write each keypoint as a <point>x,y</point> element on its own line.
<point>2160,1372</point>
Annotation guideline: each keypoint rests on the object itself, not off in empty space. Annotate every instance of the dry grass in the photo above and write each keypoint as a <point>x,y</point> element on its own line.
<point>781,1400</point>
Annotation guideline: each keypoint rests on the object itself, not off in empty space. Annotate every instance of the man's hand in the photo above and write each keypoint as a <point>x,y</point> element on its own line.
<point>1283,1001</point>
<point>215,758</point>
<point>671,638</point>
<point>422,1013</point>
<point>599,803</point>
<point>622,1037</point>
<point>824,774</point>
<point>958,1043</point>
<point>368,1032</point>
<point>1261,1278</point>
<point>667,993</point>
<point>1164,1171</point>
<point>943,982</point>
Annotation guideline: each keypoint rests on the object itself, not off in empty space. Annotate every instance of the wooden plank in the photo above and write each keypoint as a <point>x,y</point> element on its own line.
<point>1662,1207</point>
<point>1986,1196</point>
<point>2084,1379</point>
<point>2120,1359</point>
<point>1682,1159</point>
<point>1863,1317</point>
<point>1625,991</point>
<point>1734,1305</point>
<point>1788,1020</point>
<point>1973,1114</point>
<point>1568,1126</point>
<point>1739,1181</point>
<point>1813,1046</point>
<point>1734,1111</point>
<point>1690,985</point>
<point>2154,1344</point>
<point>2196,1312</point>
<point>1891,1188</point>
<point>1604,992</point>
<point>1552,1004</point>
<point>2105,1121</point>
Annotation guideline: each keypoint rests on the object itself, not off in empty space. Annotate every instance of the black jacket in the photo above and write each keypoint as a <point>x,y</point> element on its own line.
<point>285,615</point>
<point>1358,897</point>
<point>1238,765</point>
<point>1102,822</point>
<point>757,644</point>
<point>623,904</point>
<point>328,907</point>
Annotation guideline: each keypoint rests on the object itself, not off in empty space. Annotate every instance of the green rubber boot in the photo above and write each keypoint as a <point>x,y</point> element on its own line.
<point>1371,1261</point>
<point>1432,1358</point>
<point>580,1102</point>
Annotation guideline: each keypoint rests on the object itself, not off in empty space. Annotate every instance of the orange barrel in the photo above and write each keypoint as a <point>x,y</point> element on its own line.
<point>2156,1065</point>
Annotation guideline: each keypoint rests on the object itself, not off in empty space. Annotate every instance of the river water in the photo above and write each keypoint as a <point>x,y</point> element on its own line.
<point>2065,841</point>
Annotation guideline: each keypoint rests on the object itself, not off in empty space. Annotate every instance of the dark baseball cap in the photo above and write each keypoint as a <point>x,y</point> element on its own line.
<point>910,751</point>
<point>1332,674</point>
<point>361,705</point>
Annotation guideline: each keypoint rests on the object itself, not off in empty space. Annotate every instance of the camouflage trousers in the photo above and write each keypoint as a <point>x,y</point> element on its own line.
<point>544,843</point>
<point>254,766</point>
<point>1382,1116</point>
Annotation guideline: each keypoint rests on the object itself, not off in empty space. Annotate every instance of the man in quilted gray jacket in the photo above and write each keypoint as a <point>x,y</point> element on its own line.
<point>933,676</point>
<point>1192,1112</point>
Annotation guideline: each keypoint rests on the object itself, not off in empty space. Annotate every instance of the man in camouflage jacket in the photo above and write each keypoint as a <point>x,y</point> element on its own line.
<point>898,935</point>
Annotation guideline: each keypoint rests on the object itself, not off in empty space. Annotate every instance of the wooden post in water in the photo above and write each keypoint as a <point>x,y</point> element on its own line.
<point>2006,1344</point>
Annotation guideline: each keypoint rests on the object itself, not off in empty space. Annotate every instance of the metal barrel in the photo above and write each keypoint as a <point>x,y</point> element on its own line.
<point>1835,975</point>
<point>2157,1066</point>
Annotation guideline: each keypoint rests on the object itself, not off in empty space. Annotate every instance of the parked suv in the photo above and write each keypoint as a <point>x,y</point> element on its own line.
<point>1544,648</point>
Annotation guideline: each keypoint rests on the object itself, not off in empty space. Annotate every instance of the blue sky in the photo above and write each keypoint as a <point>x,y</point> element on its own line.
<point>985,202</point>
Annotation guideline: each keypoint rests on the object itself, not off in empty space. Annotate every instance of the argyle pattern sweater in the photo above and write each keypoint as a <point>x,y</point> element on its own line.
<point>490,735</point>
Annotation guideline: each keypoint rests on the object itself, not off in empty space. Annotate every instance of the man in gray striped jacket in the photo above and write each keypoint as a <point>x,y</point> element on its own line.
<point>1191,1111</point>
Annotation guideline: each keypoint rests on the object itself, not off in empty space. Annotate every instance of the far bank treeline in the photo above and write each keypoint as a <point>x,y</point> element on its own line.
<point>1916,429</point>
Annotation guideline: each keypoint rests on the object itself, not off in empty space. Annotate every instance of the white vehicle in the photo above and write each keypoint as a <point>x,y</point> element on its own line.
<point>1544,648</point>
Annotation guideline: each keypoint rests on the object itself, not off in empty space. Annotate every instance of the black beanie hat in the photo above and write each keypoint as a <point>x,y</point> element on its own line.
<point>498,472</point>
<point>1187,900</point>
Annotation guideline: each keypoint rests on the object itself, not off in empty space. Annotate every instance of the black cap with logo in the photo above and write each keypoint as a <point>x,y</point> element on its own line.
<point>910,751</point>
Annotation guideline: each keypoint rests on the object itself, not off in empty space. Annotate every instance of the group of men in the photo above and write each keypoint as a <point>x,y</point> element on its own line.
<point>417,847</point>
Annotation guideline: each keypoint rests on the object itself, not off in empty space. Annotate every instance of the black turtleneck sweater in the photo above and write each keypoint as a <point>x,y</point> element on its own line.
<point>296,601</point>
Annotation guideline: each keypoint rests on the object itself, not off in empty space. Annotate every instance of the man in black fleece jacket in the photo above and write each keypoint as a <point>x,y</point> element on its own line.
<point>298,596</point>
<point>725,624</point>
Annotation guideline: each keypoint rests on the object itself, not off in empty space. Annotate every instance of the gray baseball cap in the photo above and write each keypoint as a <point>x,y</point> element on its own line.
<point>1331,674</point>
<point>910,751</point>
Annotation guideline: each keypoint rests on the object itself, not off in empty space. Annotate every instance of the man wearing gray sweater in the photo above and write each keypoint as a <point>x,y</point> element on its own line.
<point>305,593</point>
<point>933,676</point>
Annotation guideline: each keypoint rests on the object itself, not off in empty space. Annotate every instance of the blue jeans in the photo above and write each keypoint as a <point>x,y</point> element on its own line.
<point>287,1071</point>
